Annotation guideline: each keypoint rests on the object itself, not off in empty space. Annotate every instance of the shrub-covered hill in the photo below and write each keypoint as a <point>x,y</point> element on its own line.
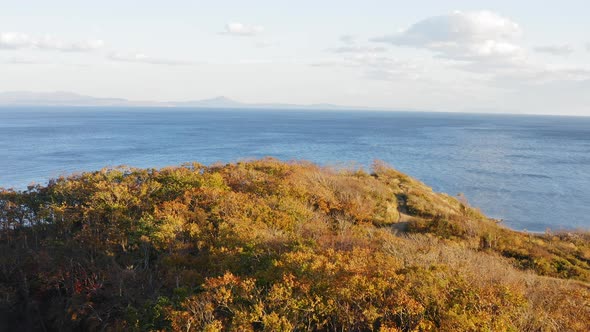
<point>273,246</point>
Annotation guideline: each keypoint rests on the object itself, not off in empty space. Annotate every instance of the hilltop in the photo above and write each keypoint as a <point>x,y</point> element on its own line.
<point>266,245</point>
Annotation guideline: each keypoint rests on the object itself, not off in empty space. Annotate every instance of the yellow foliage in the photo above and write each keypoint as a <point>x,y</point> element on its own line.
<point>266,245</point>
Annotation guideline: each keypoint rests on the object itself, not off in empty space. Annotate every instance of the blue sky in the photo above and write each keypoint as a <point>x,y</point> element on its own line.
<point>490,56</point>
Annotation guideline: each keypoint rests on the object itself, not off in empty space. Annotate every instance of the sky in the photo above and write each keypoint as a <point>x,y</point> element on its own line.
<point>466,56</point>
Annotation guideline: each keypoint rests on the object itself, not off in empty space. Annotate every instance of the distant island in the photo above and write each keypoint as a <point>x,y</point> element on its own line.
<point>266,245</point>
<point>63,98</point>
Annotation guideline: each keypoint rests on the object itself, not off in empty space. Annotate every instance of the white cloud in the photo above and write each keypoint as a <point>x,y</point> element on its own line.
<point>358,49</point>
<point>239,29</point>
<point>509,75</point>
<point>489,51</point>
<point>555,49</point>
<point>351,46</point>
<point>348,39</point>
<point>334,63</point>
<point>479,41</point>
<point>465,27</point>
<point>484,44</point>
<point>471,50</point>
<point>15,40</point>
<point>52,43</point>
<point>143,58</point>
<point>462,36</point>
<point>588,47</point>
<point>84,46</point>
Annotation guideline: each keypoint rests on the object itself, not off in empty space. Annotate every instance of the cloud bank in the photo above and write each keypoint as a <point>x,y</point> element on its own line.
<point>16,40</point>
<point>242,30</point>
<point>143,58</point>
<point>484,43</point>
<point>358,49</point>
<point>463,36</point>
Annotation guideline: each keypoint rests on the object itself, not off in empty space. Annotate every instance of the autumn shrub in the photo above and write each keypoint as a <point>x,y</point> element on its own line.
<point>266,245</point>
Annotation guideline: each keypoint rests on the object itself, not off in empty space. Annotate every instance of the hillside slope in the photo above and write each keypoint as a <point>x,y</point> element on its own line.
<point>271,246</point>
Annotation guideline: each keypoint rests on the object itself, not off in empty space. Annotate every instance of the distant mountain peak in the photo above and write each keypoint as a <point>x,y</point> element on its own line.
<point>219,101</point>
<point>55,98</point>
<point>223,98</point>
<point>66,98</point>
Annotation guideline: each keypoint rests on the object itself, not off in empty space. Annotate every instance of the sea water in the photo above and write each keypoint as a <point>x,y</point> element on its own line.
<point>531,171</point>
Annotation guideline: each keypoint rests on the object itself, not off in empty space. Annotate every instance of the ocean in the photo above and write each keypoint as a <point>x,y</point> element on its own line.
<point>531,171</point>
